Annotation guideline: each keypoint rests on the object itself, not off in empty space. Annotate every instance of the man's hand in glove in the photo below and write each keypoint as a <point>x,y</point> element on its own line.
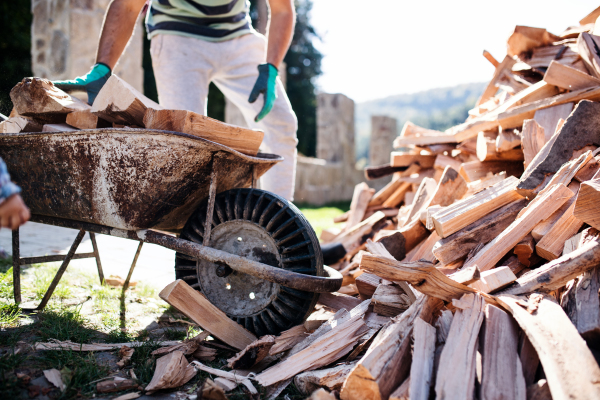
<point>91,82</point>
<point>265,84</point>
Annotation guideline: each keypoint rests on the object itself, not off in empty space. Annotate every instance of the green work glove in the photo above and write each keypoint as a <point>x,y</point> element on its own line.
<point>265,84</point>
<point>91,82</point>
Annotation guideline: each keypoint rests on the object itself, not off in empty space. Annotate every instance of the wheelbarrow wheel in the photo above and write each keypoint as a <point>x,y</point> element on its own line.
<point>264,227</point>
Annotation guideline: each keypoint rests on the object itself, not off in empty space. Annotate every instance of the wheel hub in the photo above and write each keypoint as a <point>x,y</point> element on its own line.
<point>233,292</point>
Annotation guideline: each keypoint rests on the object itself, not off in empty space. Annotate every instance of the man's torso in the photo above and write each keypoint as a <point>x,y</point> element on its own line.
<point>211,20</point>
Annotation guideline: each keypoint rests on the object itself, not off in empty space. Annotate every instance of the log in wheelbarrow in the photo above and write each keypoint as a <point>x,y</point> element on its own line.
<point>250,252</point>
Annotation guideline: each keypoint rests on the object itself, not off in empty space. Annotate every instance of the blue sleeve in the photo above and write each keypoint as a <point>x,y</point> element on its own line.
<point>7,188</point>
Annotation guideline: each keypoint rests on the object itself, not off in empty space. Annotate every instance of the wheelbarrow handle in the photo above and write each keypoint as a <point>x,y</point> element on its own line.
<point>294,280</point>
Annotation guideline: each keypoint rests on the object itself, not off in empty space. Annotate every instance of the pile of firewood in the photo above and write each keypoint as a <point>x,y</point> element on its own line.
<point>39,106</point>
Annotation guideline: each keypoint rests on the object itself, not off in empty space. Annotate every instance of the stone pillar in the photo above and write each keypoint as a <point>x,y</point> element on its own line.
<point>335,128</point>
<point>64,40</point>
<point>383,131</point>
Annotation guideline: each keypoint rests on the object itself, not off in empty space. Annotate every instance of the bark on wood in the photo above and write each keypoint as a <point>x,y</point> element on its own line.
<point>581,129</point>
<point>121,103</point>
<point>538,210</point>
<point>172,371</point>
<point>569,366</point>
<point>244,140</point>
<point>463,213</point>
<point>422,360</point>
<point>38,97</point>
<point>549,118</point>
<point>196,307</point>
<point>502,373</point>
<point>424,277</point>
<point>381,171</point>
<point>456,374</point>
<point>588,306</point>
<point>460,243</point>
<point>557,273</point>
<point>254,353</point>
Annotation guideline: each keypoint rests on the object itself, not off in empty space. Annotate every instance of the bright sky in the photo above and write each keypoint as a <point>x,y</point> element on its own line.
<point>379,48</point>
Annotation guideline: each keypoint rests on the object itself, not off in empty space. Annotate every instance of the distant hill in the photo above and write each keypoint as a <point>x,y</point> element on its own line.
<point>435,109</point>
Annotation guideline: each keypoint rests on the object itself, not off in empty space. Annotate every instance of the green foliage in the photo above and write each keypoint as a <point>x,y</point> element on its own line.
<point>322,217</point>
<point>78,369</point>
<point>15,44</point>
<point>9,315</point>
<point>63,324</point>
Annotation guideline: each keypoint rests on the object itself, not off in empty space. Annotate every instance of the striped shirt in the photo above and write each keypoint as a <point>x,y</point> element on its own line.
<point>211,20</point>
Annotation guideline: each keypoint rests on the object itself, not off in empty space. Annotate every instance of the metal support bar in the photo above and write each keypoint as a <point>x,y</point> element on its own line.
<point>254,177</point>
<point>97,257</point>
<point>137,254</point>
<point>16,266</point>
<point>60,257</point>
<point>61,270</point>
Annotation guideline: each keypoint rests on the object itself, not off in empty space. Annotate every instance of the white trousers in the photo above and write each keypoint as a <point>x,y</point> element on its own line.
<point>184,67</point>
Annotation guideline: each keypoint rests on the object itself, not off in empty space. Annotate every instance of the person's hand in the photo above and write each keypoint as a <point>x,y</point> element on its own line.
<point>13,212</point>
<point>265,84</point>
<point>91,82</point>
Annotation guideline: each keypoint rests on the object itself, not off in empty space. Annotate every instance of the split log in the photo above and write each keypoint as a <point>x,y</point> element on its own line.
<point>254,353</point>
<point>381,171</point>
<point>325,350</point>
<point>354,237</point>
<point>484,183</point>
<point>196,307</point>
<point>20,124</point>
<point>425,251</point>
<point>557,273</point>
<point>507,140</point>
<point>463,213</point>
<point>403,391</point>
<point>390,300</point>
<point>533,138</point>
<point>423,197</point>
<point>336,301</point>
<point>588,171</point>
<point>486,150</point>
<point>451,187</point>
<point>244,140</point>
<point>386,364</point>
<point>460,243</point>
<point>121,103</point>
<point>526,38</point>
<point>442,161</point>
<point>538,210</point>
<point>288,339</point>
<point>116,385</point>
<point>421,368</point>
<point>39,98</point>
<point>402,241</point>
<point>539,391</point>
<point>382,195</point>
<point>569,366</point>
<point>330,378</point>
<point>502,373</point>
<point>493,280</point>
<point>551,245</point>
<point>71,346</point>
<point>492,87</point>
<point>549,118</point>
<point>591,17</point>
<point>530,361</point>
<point>58,128</point>
<point>172,371</point>
<point>86,120</point>
<point>188,346</point>
<point>456,374</point>
<point>239,379</point>
<point>417,136</point>
<point>424,277</point>
<point>569,78</point>
<point>475,170</point>
<point>586,206</point>
<point>588,306</point>
<point>587,47</point>
<point>360,200</point>
<point>544,227</point>
<point>525,250</point>
<point>401,159</point>
<point>367,284</point>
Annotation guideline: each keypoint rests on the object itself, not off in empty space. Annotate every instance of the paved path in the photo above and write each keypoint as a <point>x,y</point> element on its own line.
<point>155,264</point>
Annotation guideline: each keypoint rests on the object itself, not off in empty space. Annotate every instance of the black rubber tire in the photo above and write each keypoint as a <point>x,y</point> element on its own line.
<point>296,242</point>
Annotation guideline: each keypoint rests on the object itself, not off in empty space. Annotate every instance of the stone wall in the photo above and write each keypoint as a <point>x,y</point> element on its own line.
<point>64,40</point>
<point>383,131</point>
<point>335,128</point>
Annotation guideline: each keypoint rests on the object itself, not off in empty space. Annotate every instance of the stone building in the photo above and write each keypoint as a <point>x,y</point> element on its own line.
<point>64,40</point>
<point>383,131</point>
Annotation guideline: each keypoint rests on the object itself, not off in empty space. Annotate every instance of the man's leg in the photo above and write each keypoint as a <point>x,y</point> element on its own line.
<point>235,78</point>
<point>182,70</point>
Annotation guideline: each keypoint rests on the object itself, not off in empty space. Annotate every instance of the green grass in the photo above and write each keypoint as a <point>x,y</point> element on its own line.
<point>77,368</point>
<point>322,217</point>
<point>9,384</point>
<point>64,324</point>
<point>143,362</point>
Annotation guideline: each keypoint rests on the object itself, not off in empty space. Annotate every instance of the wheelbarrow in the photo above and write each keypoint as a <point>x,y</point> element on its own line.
<point>250,252</point>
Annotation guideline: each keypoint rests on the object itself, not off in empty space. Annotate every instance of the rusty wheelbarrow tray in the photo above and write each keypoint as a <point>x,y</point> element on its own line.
<point>126,182</point>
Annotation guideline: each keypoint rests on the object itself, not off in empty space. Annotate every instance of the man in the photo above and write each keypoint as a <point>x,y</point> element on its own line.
<point>195,42</point>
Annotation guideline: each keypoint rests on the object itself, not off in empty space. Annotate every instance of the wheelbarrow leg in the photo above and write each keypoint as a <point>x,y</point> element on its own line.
<point>61,270</point>
<point>254,177</point>
<point>16,261</point>
<point>137,254</point>
<point>97,257</point>
<point>212,194</point>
